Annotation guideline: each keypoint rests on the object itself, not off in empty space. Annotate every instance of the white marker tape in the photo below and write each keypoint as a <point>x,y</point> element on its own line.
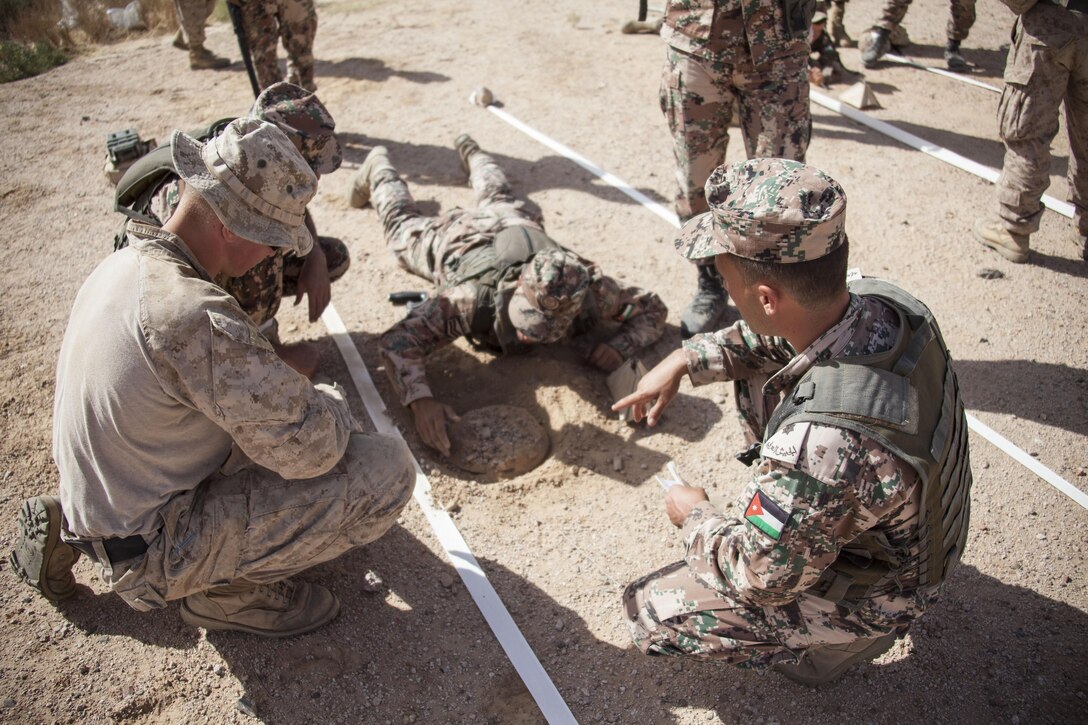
<point>947,74</point>
<point>506,631</point>
<point>937,152</point>
<point>973,423</point>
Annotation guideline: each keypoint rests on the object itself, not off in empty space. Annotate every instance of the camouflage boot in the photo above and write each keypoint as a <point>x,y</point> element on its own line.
<point>993,234</point>
<point>835,27</point>
<point>466,146</point>
<point>953,58</point>
<point>179,40</point>
<point>707,306</point>
<point>200,58</point>
<point>40,558</point>
<point>874,44</point>
<point>281,609</point>
<point>377,160</point>
<point>820,665</point>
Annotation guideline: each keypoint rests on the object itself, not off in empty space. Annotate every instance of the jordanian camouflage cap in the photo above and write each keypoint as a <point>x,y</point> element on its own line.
<point>549,295</point>
<point>305,120</point>
<point>769,210</point>
<point>254,179</point>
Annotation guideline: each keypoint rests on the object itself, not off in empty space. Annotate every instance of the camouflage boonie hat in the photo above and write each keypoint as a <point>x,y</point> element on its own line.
<point>769,210</point>
<point>549,295</point>
<point>254,179</point>
<point>305,120</point>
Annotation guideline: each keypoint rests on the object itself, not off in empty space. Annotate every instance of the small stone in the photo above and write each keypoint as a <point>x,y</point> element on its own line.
<point>617,464</point>
<point>559,625</point>
<point>453,507</point>
<point>482,96</point>
<point>485,433</point>
<point>1082,472</point>
<point>985,464</point>
<point>1041,537</point>
<point>576,470</point>
<point>219,669</point>
<point>246,707</point>
<point>445,580</point>
<point>372,582</point>
<point>987,273</point>
<point>719,399</point>
<point>9,703</point>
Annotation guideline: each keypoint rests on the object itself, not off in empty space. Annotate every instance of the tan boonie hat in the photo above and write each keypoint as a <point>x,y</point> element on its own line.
<point>549,295</point>
<point>298,113</point>
<point>769,210</point>
<point>254,179</point>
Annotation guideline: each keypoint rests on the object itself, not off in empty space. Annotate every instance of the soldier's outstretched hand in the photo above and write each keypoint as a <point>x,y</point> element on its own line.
<point>656,389</point>
<point>431,417</point>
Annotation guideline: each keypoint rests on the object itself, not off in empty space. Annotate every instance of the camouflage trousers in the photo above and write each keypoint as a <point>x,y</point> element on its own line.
<point>192,17</point>
<point>257,527</point>
<point>260,290</point>
<point>293,21</point>
<point>671,612</point>
<point>959,24</point>
<point>697,98</point>
<point>427,246</point>
<point>1038,79</point>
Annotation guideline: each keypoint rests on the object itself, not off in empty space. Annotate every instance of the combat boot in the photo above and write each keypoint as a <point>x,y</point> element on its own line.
<point>466,146</point>
<point>377,160</point>
<point>993,234</point>
<point>820,665</point>
<point>41,558</point>
<point>707,306</point>
<point>200,58</point>
<point>835,27</point>
<point>874,44</point>
<point>954,59</point>
<point>179,40</point>
<point>281,609</point>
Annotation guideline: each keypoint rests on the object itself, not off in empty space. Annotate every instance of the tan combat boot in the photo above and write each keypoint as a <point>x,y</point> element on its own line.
<point>820,665</point>
<point>466,146</point>
<point>835,27</point>
<point>40,558</point>
<point>200,58</point>
<point>1013,247</point>
<point>377,160</point>
<point>282,609</point>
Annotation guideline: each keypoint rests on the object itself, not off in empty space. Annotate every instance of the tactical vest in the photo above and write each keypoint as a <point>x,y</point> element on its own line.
<point>908,400</point>
<point>141,180</point>
<point>487,266</point>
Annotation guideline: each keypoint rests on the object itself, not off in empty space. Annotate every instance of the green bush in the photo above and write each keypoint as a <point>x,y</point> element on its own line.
<point>22,61</point>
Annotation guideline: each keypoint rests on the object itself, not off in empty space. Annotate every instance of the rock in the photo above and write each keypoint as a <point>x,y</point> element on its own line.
<point>372,582</point>
<point>9,703</point>
<point>1082,472</point>
<point>719,399</point>
<point>219,669</point>
<point>482,97</point>
<point>617,464</point>
<point>445,580</point>
<point>987,273</point>
<point>559,625</point>
<point>246,707</point>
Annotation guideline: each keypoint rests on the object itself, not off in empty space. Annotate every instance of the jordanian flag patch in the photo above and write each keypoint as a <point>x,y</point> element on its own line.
<point>766,515</point>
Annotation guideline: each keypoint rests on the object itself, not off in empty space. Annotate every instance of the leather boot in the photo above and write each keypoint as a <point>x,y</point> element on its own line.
<point>377,160</point>
<point>820,665</point>
<point>835,27</point>
<point>200,58</point>
<point>993,234</point>
<point>874,44</point>
<point>466,146</point>
<point>707,306</point>
<point>281,609</point>
<point>954,59</point>
<point>41,558</point>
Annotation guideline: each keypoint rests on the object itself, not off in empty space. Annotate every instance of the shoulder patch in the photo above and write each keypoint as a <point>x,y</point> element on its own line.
<point>766,515</point>
<point>785,445</point>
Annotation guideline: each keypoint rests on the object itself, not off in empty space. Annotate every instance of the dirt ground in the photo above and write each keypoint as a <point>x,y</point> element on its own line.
<point>1005,643</point>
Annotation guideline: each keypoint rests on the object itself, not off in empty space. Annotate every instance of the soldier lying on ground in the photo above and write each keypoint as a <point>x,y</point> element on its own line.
<point>194,463</point>
<point>149,192</point>
<point>502,283</point>
<point>859,504</point>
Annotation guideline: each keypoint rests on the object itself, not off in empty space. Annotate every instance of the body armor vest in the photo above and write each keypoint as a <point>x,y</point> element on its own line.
<point>908,400</point>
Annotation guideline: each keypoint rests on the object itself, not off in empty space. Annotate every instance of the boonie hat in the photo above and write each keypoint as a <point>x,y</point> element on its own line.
<point>549,295</point>
<point>769,210</point>
<point>298,113</point>
<point>254,179</point>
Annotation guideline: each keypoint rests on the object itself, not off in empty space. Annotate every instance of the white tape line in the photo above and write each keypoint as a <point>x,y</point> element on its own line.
<point>937,152</point>
<point>506,631</point>
<point>947,74</point>
<point>972,422</point>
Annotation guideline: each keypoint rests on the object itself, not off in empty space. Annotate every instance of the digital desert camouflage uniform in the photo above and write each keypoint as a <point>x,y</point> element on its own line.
<point>1047,65</point>
<point>726,52</point>
<point>260,291</point>
<point>959,23</point>
<point>267,22</point>
<point>742,595</point>
<point>432,247</point>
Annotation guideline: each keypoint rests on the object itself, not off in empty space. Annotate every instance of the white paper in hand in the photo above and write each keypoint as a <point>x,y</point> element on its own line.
<point>674,478</point>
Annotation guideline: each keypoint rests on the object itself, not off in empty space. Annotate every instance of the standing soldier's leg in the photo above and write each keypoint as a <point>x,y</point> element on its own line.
<point>192,15</point>
<point>876,42</point>
<point>775,118</point>
<point>892,15</point>
<point>298,27</point>
<point>959,25</point>
<point>262,37</point>
<point>1076,121</point>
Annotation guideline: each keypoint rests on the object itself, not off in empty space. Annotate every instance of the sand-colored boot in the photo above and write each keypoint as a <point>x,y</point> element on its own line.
<point>281,609</point>
<point>466,146</point>
<point>993,234</point>
<point>874,44</point>
<point>200,58</point>
<point>954,59</point>
<point>41,558</point>
<point>377,160</point>
<point>820,665</point>
<point>835,27</point>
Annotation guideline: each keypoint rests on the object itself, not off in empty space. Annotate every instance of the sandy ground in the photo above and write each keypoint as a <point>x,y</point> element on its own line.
<point>1006,642</point>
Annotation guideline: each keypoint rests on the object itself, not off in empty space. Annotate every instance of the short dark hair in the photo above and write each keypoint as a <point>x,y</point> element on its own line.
<point>816,282</point>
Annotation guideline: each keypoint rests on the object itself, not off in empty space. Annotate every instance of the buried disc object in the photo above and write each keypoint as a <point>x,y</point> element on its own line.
<point>499,441</point>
